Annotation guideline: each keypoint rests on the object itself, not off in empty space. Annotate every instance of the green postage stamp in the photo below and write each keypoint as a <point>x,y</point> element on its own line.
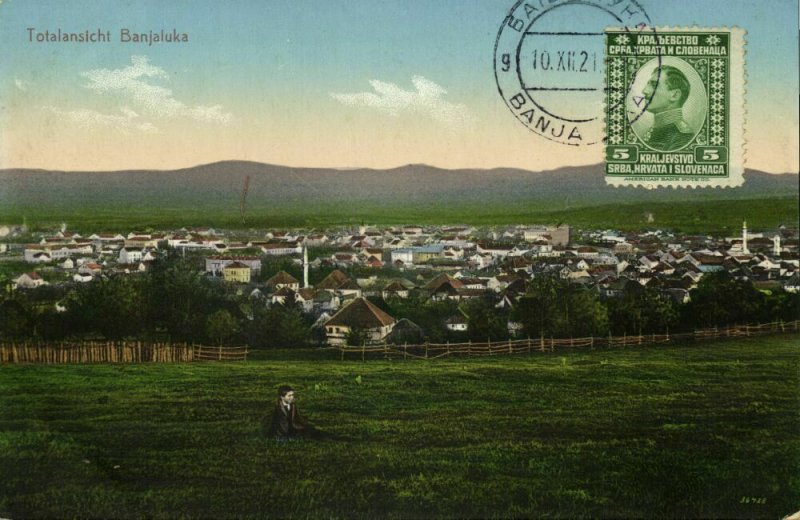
<point>675,107</point>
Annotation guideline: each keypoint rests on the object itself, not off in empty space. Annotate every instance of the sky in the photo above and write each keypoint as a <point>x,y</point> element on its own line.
<point>326,83</point>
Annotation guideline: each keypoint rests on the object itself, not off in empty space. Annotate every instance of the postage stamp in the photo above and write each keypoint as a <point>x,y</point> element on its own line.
<point>548,64</point>
<point>675,107</point>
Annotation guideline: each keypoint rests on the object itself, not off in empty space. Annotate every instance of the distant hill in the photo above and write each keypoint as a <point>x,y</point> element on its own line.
<point>219,185</point>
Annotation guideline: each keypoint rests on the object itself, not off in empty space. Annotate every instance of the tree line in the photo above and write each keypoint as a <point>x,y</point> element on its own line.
<point>175,301</point>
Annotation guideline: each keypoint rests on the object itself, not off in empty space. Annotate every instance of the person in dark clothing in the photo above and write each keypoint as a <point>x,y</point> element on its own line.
<point>286,421</point>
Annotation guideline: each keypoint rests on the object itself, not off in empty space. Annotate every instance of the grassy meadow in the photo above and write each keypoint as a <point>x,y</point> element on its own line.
<point>706,217</point>
<point>708,430</point>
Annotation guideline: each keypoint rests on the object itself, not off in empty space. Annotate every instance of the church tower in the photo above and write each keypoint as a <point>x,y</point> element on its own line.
<point>776,245</point>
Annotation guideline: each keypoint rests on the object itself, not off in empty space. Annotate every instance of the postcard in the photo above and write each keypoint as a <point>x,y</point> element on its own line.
<point>402,259</point>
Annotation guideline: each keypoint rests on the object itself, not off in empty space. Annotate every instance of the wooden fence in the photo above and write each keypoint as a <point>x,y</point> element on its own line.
<point>542,344</point>
<point>116,352</point>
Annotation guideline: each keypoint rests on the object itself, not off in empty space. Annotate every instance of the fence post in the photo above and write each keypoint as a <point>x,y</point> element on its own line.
<point>426,350</point>
<point>529,344</point>
<point>469,347</point>
<point>591,341</point>
<point>552,344</point>
<point>363,346</point>
<point>405,350</point>
<point>510,350</point>
<point>220,352</point>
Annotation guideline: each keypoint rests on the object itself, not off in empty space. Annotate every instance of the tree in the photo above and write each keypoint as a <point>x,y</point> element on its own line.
<point>278,327</point>
<point>16,321</point>
<point>180,297</point>
<point>721,299</point>
<point>356,337</point>
<point>113,307</point>
<point>221,327</point>
<point>783,306</point>
<point>484,321</point>
<point>554,307</point>
<point>430,316</point>
<point>642,312</point>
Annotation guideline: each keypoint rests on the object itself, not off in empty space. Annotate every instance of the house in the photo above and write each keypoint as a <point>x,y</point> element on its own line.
<point>283,279</point>
<point>406,332</point>
<point>349,288</point>
<point>82,277</point>
<point>317,240</point>
<point>360,317</point>
<point>394,290</point>
<point>215,264</point>
<point>129,255</point>
<point>90,268</point>
<point>456,323</point>
<point>134,267</point>
<point>141,241</point>
<point>37,256</point>
<point>332,282</point>
<point>494,249</point>
<point>236,272</point>
<point>281,248</point>
<point>305,298</point>
<point>28,281</point>
<point>405,255</point>
<point>283,295</point>
<point>326,301</point>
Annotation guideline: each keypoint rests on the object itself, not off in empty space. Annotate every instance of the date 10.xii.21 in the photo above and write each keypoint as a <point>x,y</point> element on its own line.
<point>558,61</point>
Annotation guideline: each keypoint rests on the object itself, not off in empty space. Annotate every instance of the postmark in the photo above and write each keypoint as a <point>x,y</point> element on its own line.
<point>548,64</point>
<point>675,108</point>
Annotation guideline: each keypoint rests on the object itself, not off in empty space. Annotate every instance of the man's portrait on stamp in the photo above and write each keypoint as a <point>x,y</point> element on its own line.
<point>674,98</point>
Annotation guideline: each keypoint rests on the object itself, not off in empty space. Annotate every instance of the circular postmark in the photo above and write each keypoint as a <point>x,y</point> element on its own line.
<point>549,64</point>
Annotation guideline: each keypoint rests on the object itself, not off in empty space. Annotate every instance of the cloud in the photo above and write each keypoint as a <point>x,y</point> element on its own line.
<point>129,120</point>
<point>132,82</point>
<point>427,99</point>
<point>21,85</point>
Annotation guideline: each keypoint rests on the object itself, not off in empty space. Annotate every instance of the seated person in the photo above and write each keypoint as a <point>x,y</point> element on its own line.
<point>287,423</point>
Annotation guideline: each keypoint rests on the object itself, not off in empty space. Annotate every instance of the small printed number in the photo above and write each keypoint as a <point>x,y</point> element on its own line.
<point>621,154</point>
<point>506,62</point>
<point>711,155</point>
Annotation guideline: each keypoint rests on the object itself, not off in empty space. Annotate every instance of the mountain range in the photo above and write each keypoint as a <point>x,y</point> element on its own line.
<point>220,185</point>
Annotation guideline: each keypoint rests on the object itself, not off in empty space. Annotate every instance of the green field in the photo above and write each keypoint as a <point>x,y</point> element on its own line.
<point>706,217</point>
<point>705,430</point>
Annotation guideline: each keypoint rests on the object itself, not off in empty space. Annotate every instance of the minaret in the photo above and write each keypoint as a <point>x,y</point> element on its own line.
<point>744,238</point>
<point>776,245</point>
<point>305,266</point>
